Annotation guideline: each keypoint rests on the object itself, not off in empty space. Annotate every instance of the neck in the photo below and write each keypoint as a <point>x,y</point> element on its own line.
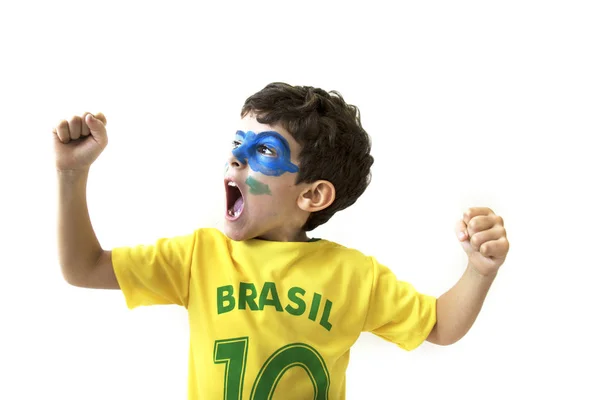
<point>297,236</point>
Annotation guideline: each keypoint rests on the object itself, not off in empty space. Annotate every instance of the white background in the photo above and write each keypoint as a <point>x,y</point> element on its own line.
<point>468,103</point>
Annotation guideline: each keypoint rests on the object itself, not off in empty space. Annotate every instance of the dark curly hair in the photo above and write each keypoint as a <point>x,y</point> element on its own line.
<point>335,147</point>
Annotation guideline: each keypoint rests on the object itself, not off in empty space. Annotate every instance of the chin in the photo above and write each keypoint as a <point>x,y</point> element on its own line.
<point>235,234</point>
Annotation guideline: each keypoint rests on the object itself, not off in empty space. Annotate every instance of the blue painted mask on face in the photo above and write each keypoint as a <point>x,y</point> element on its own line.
<point>267,152</point>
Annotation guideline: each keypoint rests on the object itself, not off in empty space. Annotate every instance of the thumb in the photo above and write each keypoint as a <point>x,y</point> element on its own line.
<point>97,127</point>
<point>463,236</point>
<point>461,231</point>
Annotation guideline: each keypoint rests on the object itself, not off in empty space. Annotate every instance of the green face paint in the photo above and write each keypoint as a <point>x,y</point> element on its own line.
<point>257,187</point>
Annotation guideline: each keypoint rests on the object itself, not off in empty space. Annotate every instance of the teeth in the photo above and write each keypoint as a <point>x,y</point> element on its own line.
<point>234,214</point>
<point>231,184</point>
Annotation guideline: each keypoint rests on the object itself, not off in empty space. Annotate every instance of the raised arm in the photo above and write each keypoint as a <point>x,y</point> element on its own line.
<point>78,143</point>
<point>483,238</point>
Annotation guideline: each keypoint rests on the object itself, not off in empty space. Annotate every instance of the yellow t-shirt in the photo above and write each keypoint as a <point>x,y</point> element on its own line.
<point>272,320</point>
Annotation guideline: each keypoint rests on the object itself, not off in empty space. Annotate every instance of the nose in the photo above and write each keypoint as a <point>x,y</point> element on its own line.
<point>234,162</point>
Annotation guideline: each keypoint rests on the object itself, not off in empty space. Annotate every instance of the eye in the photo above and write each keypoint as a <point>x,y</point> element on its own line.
<point>236,143</point>
<point>262,149</point>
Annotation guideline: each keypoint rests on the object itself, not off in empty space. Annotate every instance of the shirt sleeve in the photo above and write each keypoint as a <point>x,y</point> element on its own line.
<point>397,312</point>
<point>155,274</point>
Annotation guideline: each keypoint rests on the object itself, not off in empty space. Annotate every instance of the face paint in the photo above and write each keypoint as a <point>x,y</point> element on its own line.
<point>257,187</point>
<point>254,150</point>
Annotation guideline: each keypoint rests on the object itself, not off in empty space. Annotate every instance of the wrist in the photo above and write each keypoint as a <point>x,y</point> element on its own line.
<point>475,273</point>
<point>72,174</point>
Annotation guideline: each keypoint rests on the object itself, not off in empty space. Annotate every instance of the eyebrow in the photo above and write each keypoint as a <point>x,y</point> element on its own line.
<point>243,133</point>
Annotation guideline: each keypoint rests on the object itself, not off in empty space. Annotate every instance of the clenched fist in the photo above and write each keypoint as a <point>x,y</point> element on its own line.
<point>483,238</point>
<point>79,141</point>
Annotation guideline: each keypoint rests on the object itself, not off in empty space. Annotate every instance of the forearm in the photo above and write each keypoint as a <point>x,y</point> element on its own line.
<point>78,247</point>
<point>458,308</point>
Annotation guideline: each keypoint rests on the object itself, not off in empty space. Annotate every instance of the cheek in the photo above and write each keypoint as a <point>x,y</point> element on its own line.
<point>286,194</point>
<point>258,187</point>
<point>281,187</point>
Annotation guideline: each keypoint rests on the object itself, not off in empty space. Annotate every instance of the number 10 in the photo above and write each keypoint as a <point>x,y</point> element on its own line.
<point>233,353</point>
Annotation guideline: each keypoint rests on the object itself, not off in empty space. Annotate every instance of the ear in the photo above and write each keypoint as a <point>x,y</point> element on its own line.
<point>317,196</point>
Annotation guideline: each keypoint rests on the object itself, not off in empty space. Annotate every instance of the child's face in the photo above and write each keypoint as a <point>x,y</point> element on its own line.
<point>260,189</point>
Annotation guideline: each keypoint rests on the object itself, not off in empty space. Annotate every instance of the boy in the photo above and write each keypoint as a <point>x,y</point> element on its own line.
<point>263,298</point>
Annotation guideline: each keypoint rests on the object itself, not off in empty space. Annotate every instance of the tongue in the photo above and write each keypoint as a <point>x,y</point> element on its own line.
<point>237,207</point>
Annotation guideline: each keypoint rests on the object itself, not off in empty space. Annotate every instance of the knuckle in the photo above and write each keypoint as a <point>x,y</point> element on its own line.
<point>501,233</point>
<point>500,220</point>
<point>473,224</point>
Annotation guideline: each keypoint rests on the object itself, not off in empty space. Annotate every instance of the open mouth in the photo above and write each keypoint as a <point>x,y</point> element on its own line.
<point>235,200</point>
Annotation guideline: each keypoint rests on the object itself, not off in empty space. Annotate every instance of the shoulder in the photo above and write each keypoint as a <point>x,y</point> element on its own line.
<point>203,235</point>
<point>347,256</point>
